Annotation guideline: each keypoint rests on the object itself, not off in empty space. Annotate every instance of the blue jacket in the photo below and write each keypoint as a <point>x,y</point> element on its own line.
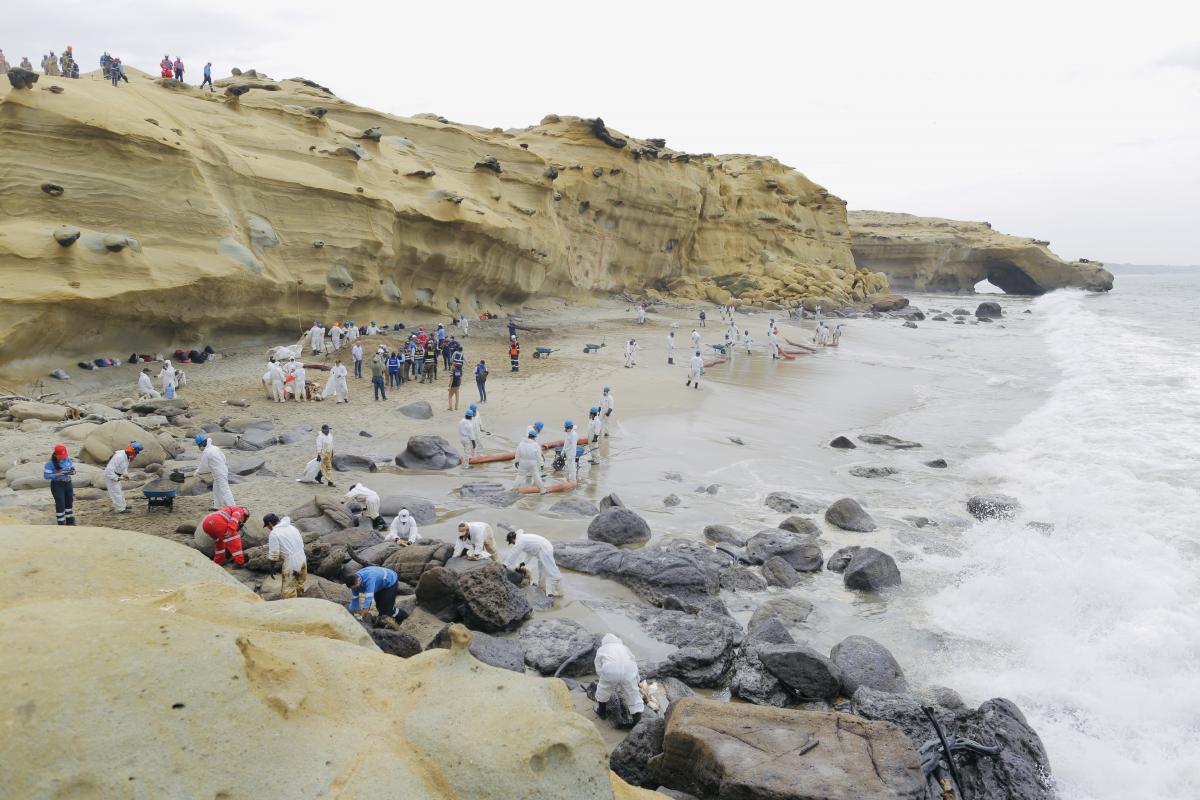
<point>373,579</point>
<point>393,364</point>
<point>63,473</point>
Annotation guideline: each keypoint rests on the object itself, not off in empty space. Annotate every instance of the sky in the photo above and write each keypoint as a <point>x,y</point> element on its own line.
<point>1069,121</point>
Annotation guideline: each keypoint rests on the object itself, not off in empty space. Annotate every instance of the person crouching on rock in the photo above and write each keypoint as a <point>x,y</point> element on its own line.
<point>378,584</point>
<point>224,527</point>
<point>529,547</point>
<point>58,470</point>
<point>146,390</point>
<point>403,529</point>
<point>475,540</point>
<point>617,671</point>
<point>369,498</point>
<point>285,546</point>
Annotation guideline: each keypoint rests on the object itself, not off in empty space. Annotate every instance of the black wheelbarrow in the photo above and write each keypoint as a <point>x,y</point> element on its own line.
<point>161,493</point>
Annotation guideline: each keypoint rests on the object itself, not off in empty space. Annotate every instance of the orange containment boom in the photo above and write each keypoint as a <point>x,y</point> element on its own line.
<point>491,457</point>
<point>550,488</point>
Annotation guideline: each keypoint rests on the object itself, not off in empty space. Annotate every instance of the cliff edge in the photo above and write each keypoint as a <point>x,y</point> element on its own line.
<point>927,254</point>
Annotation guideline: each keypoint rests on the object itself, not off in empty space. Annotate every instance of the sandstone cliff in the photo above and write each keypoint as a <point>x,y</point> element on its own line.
<point>189,212</point>
<point>925,254</point>
<point>137,668</point>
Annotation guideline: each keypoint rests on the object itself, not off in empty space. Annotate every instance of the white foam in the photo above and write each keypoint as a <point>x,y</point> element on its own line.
<point>1094,629</point>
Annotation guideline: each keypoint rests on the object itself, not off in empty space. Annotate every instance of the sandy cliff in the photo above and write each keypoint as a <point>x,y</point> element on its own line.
<point>192,211</point>
<point>195,687</point>
<point>926,254</point>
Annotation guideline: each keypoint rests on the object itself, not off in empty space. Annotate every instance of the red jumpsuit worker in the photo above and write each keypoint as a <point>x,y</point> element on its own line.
<point>225,528</point>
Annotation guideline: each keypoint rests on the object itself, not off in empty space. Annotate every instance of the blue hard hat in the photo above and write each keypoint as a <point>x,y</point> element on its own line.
<point>470,414</point>
<point>538,425</point>
<point>474,407</point>
<point>137,446</point>
<point>533,434</point>
<point>568,424</point>
<point>201,439</point>
<point>605,388</point>
<point>593,410</point>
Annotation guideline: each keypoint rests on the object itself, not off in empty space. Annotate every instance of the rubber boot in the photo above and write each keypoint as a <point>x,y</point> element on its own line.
<point>602,710</point>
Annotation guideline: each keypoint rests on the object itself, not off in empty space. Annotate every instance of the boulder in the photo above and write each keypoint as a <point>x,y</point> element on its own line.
<point>807,674</point>
<point>865,662</point>
<point>437,592</point>
<point>989,310</point>
<point>993,506</point>
<point>417,410</point>
<point>739,752</point>
<point>492,650</point>
<point>778,572</point>
<point>79,431</point>
<point>802,552</point>
<point>349,462</point>
<point>618,526</point>
<point>428,452</point>
<point>786,503</point>
<point>937,463</point>
<point>1022,768</point>
<point>752,682</point>
<point>791,611</point>
<point>800,525</point>
<point>904,711</point>
<point>671,500</point>
<point>101,443</point>
<point>396,643</point>
<point>22,79</point>
<point>490,601</point>
<point>424,627</point>
<point>574,507</point>
<point>842,558</point>
<point>550,643</point>
<point>244,465</point>
<point>610,500</point>
<point>842,443</point>
<point>723,534</point>
<point>871,570</point>
<point>243,424</point>
<point>167,408</point>
<point>654,573</point>
<point>422,510</point>
<point>742,579</point>
<point>848,515</point>
<point>888,441</point>
<point>873,472</point>
<point>631,758</point>
<point>22,410</point>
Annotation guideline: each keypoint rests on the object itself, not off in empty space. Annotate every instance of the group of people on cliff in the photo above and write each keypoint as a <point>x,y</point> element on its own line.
<point>111,67</point>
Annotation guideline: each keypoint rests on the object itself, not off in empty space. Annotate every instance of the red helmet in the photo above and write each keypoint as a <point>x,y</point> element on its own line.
<point>60,451</point>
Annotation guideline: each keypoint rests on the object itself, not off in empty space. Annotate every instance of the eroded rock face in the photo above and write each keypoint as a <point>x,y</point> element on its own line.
<point>290,674</point>
<point>924,254</point>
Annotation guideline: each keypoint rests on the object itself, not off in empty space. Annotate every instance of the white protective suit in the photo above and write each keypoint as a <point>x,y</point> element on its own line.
<point>671,347</point>
<point>298,390</point>
<point>641,315</point>
<point>466,436</point>
<point>117,466</point>
<point>311,470</point>
<point>403,527</point>
<point>274,380</point>
<point>773,345</point>
<point>695,370</point>
<point>570,443</point>
<point>530,548</point>
<point>595,429</point>
<point>316,338</point>
<point>367,497</point>
<point>747,341</point>
<point>336,386</point>
<point>146,388</point>
<point>351,333</point>
<point>617,671</point>
<point>695,339</point>
<point>213,460</point>
<point>336,335</point>
<point>287,543</point>
<point>606,410</point>
<point>529,465</point>
<point>480,542</point>
<point>167,376</point>
<point>631,348</point>
<point>477,427</point>
<point>465,324</point>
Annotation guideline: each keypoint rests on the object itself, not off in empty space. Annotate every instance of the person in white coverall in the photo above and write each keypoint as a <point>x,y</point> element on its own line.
<point>212,459</point>
<point>273,378</point>
<point>595,428</point>
<point>316,338</point>
<point>368,497</point>
<point>466,434</point>
<point>167,376</point>
<point>617,673</point>
<point>336,386</point>
<point>631,353</point>
<point>477,423</point>
<point>528,548</point>
<point>335,334</point>
<point>695,370</point>
<point>671,347</point>
<point>606,409</point>
<point>285,546</point>
<point>529,464</point>
<point>325,453</point>
<point>475,540</point>
<point>747,340</point>
<point>116,469</point>
<point>146,390</point>
<point>570,444</point>
<point>695,339</point>
<point>403,528</point>
<point>642,314</point>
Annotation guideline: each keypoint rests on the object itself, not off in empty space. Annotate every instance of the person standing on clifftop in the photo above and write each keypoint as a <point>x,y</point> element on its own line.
<point>178,69</point>
<point>208,80</point>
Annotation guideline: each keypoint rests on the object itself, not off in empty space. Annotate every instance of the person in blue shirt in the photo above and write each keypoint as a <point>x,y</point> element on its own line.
<point>393,366</point>
<point>402,356</point>
<point>58,470</point>
<point>208,80</point>
<point>481,376</point>
<point>378,584</point>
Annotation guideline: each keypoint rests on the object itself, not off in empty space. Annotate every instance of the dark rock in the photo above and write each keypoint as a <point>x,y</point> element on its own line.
<point>66,235</point>
<point>22,79</point>
<point>424,627</point>
<point>873,472</point>
<point>993,506</point>
<point>373,134</point>
<point>842,443</point>
<point>888,441</point>
<point>671,500</point>
<point>675,689</point>
<point>848,515</point>
<point>937,463</point>
<point>317,111</point>
<point>396,643</point>
<point>800,525</point>
<point>347,462</point>
<point>236,90</point>
<point>865,662</point>
<point>842,558</point>
<point>417,410</point>
<point>779,572</point>
<point>601,132</point>
<point>910,324</point>
<point>428,452</point>
<point>630,759</point>
<point>1022,769</point>
<point>743,579</point>
<point>770,631</point>
<point>871,570</point>
<point>752,682</point>
<point>960,312</point>
<point>1046,528</point>
<point>490,602</point>
<point>807,674</point>
<point>422,510</point>
<point>653,573</point>
<point>723,534</point>
<point>791,611</point>
<point>786,503</point>
<point>610,500</point>
<point>902,710</point>
<point>437,592</point>
<point>492,650</point>
<point>989,310</point>
<point>574,507</point>
<point>618,526</point>
<point>745,752</point>
<point>550,643</point>
<point>889,303</point>
<point>489,162</point>
<point>411,562</point>
<point>802,552</point>
<point>673,476</point>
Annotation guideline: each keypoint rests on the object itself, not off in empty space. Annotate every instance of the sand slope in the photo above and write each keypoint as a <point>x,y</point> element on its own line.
<point>199,211</point>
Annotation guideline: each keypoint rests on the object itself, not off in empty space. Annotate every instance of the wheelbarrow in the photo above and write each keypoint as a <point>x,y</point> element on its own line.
<point>161,493</point>
<point>591,348</point>
<point>560,458</point>
<point>543,352</point>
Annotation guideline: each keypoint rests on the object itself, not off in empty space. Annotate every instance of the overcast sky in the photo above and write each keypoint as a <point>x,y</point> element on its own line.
<point>1074,122</point>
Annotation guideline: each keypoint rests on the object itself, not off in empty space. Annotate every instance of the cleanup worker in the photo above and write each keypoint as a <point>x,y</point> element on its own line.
<point>207,77</point>
<point>369,498</point>
<point>695,339</point>
<point>285,546</point>
<point>529,547</point>
<point>403,529</point>
<point>475,540</point>
<point>529,464</point>
<point>274,378</point>
<point>325,454</point>
<point>169,379</point>
<point>115,470</point>
<point>641,312</point>
<point>477,424</point>
<point>466,434</point>
<point>606,409</point>
<point>316,338</point>
<point>671,347</point>
<point>695,370</point>
<point>617,671</point>
<point>514,354</point>
<point>224,526</point>
<point>595,429</point>
<point>58,470</point>
<point>212,459</point>
<point>337,386</point>
<point>631,349</point>
<point>570,444</point>
<point>535,430</point>
<point>378,584</point>
<point>146,390</point>
<point>335,335</point>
